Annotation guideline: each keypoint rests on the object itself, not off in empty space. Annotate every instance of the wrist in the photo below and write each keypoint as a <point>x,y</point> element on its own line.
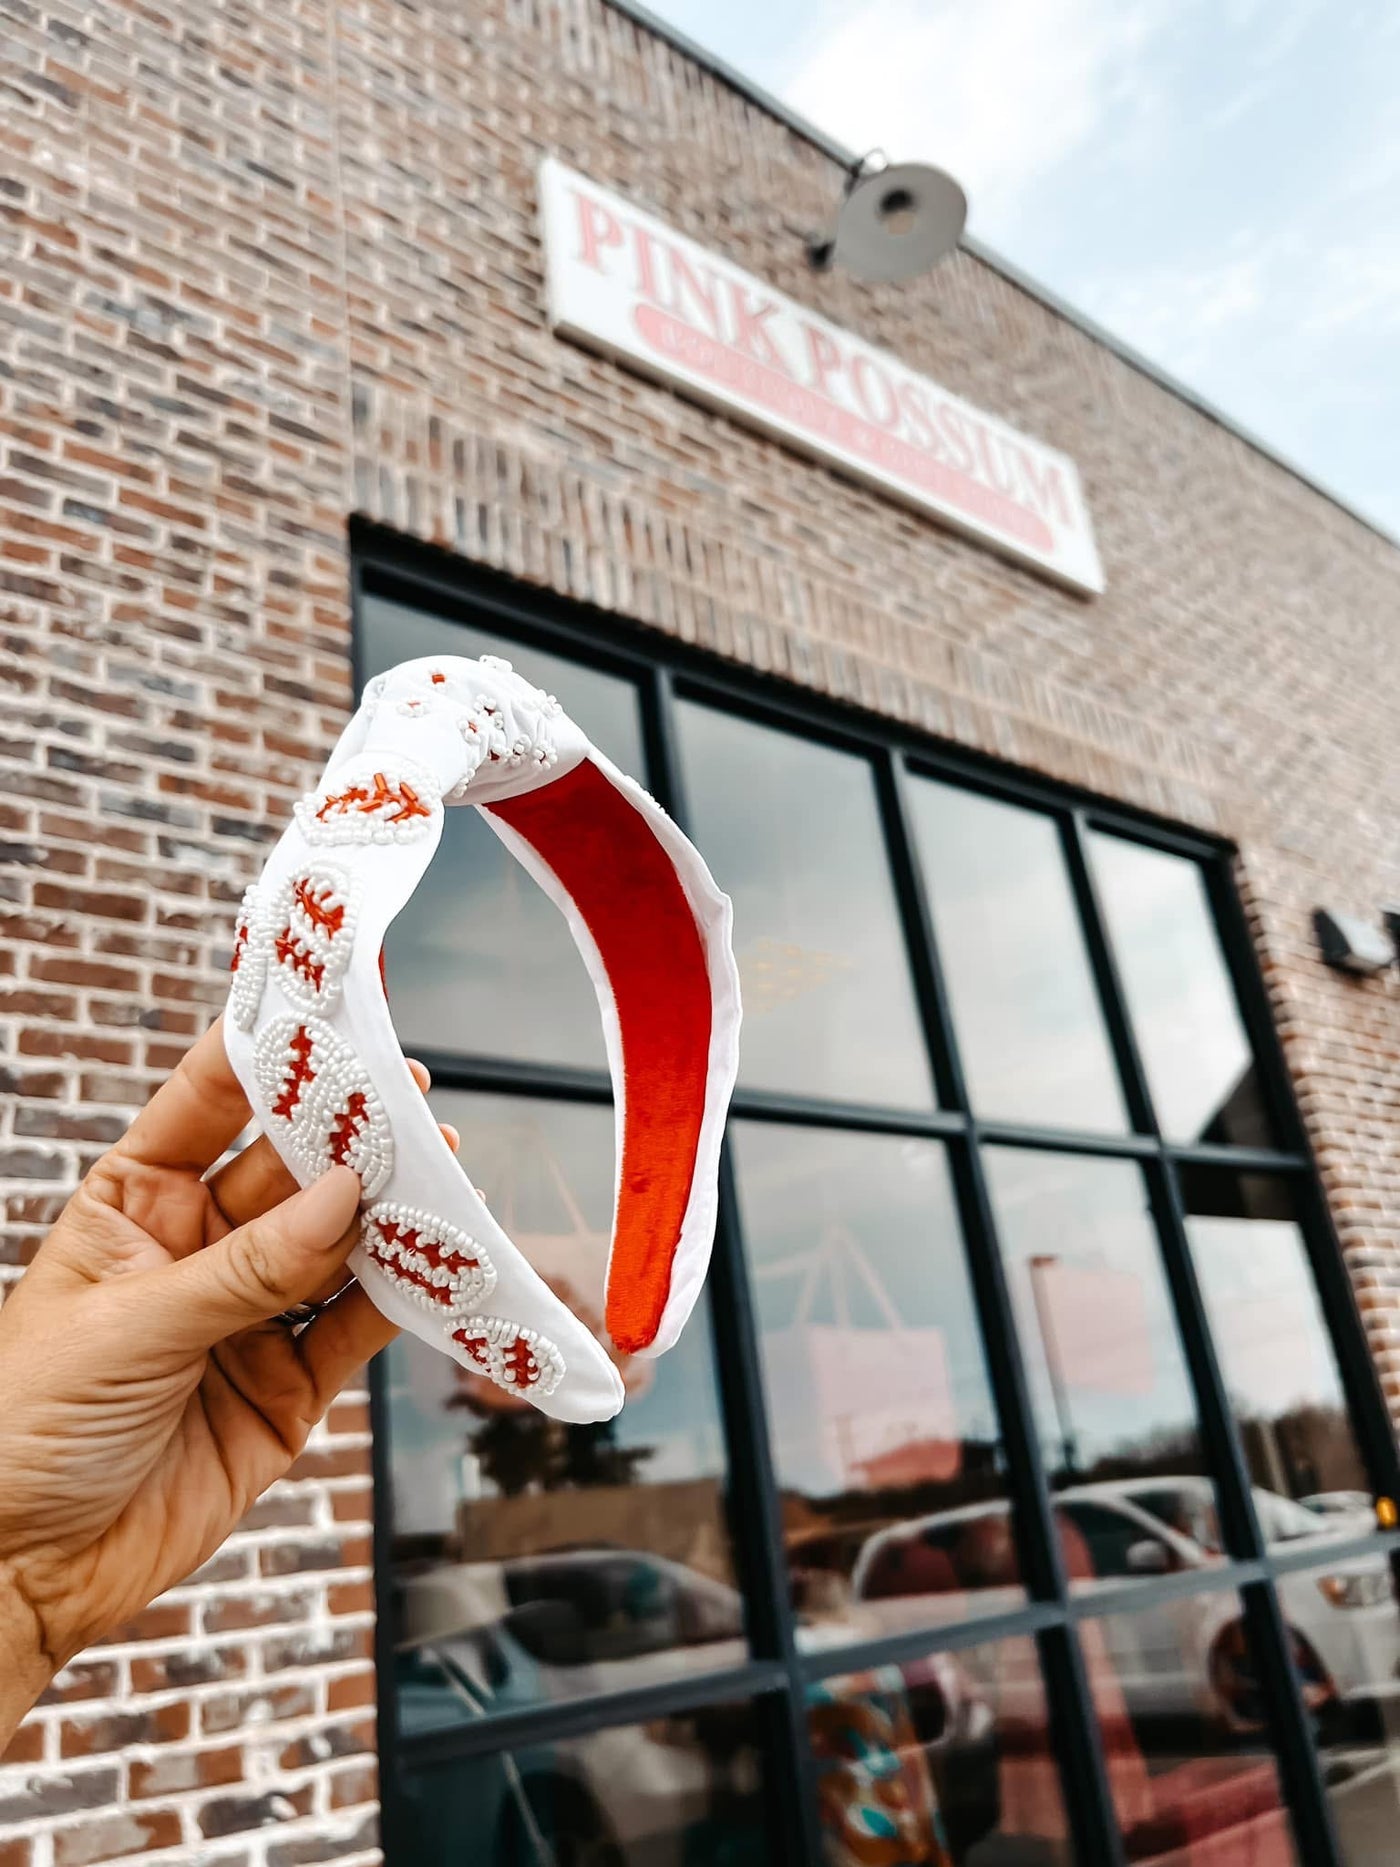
<point>26,1670</point>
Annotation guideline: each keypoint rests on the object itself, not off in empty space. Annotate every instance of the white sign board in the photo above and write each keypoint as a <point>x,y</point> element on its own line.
<point>623,282</point>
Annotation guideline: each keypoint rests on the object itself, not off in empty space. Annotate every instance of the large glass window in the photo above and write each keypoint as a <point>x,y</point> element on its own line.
<point>535,1560</point>
<point>1200,1067</point>
<point>792,832</point>
<point>1033,1041</point>
<point>928,1545</point>
<point>1109,1385</point>
<point>675,1789</point>
<point>946,1758</point>
<point>1278,1360</point>
<point>1177,1695</point>
<point>884,1431</point>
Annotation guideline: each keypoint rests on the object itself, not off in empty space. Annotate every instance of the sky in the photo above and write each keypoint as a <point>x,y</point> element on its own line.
<point>1217,182</point>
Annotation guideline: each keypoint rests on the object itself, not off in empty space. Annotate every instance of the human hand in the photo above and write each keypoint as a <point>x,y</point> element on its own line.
<point>147,1393</point>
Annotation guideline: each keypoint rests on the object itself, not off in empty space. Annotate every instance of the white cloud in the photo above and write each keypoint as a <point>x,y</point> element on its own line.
<point>998,91</point>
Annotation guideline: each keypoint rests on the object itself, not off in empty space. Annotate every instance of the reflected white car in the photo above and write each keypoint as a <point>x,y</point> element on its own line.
<point>1183,1654</point>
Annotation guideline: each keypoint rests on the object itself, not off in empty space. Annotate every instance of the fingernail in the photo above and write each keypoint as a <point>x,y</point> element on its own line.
<point>328,1204</point>
<point>450,1135</point>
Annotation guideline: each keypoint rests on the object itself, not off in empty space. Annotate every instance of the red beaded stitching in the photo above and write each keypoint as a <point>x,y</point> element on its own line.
<point>393,803</point>
<point>298,1074</point>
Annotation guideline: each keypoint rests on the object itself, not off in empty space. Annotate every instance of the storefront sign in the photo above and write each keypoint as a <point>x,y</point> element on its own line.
<point>625,283</point>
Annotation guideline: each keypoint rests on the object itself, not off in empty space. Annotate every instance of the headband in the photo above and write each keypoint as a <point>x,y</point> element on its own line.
<point>310,1037</point>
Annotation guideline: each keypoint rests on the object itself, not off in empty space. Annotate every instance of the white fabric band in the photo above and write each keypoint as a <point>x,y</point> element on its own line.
<point>310,1036</point>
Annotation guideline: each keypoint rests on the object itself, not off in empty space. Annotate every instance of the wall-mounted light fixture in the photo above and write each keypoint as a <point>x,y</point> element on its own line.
<point>1354,945</point>
<point>894,221</point>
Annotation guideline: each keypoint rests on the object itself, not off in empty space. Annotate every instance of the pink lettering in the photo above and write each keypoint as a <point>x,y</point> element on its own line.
<point>863,372</point>
<point>703,291</point>
<point>597,228</point>
<point>823,356</point>
<point>953,428</point>
<point>1044,484</point>
<point>750,333</point>
<point>916,416</point>
<point>644,249</point>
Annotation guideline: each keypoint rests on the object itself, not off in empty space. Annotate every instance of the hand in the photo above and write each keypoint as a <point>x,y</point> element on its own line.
<point>147,1396</point>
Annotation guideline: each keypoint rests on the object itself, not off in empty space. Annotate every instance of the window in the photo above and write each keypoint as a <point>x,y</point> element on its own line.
<point>1029,1376</point>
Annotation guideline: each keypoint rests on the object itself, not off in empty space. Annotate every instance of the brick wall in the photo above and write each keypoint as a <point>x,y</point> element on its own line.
<point>270,265</point>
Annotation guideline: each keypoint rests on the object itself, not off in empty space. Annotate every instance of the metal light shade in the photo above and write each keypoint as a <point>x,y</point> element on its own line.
<point>896,222</point>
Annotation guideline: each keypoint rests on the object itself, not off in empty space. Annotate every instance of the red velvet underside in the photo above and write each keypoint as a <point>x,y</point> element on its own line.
<point>626,888</point>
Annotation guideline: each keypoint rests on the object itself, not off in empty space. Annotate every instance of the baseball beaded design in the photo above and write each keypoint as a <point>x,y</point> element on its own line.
<point>312,932</point>
<point>322,1106</point>
<point>520,1360</point>
<point>249,962</point>
<point>427,1259</point>
<point>377,799</point>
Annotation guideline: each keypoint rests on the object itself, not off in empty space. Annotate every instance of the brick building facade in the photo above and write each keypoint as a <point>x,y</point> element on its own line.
<point>271,268</point>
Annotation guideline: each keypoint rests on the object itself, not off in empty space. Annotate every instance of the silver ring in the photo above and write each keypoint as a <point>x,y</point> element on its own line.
<point>299,1314</point>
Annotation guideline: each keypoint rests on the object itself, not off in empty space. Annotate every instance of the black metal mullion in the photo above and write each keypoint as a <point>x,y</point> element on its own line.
<point>504,1076</point>
<point>1366,1402</point>
<point>812,1112</point>
<point>755,1512</point>
<point>1088,1798</point>
<point>1291,1727</point>
<point>555,1721</point>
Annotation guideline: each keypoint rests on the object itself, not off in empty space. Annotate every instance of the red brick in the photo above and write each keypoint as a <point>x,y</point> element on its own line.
<point>350,1691</point>
<point>26,1746</point>
<point>176,1771</point>
<point>110,1837</point>
<point>86,1737</point>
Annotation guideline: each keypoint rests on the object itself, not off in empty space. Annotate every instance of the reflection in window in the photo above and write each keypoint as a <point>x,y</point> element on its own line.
<point>480,960</point>
<point>1180,1710</point>
<point>1108,1379</point>
<point>884,1432</point>
<point>534,1559</point>
<point>1275,1353</point>
<point>1200,1068</point>
<point>681,1791</point>
<point>1353,1649</point>
<point>943,1760</point>
<point>1030,1030</point>
<point>792,832</point>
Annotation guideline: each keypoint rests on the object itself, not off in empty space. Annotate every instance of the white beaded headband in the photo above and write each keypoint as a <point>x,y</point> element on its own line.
<point>310,1036</point>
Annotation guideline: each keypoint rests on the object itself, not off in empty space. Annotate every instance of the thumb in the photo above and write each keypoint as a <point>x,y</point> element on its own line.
<point>280,1258</point>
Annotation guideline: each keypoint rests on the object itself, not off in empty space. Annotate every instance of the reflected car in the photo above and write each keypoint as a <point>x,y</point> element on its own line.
<point>1182,1655</point>
<point>478,1639</point>
<point>1353,1504</point>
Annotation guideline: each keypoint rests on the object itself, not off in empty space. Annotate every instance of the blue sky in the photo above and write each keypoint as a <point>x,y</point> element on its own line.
<point>1216,181</point>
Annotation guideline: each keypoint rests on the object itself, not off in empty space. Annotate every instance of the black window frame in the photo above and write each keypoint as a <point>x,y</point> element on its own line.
<point>778,1673</point>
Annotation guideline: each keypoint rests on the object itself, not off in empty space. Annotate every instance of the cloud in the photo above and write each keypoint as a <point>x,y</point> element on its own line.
<point>999,91</point>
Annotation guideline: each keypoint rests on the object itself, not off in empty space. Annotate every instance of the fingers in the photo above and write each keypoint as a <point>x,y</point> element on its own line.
<point>278,1259</point>
<point>342,1339</point>
<point>195,1114</point>
<point>256,1180</point>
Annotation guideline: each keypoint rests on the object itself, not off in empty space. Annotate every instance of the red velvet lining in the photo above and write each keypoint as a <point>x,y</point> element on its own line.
<point>625,886</point>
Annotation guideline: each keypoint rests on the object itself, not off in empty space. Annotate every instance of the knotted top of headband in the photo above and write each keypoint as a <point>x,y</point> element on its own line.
<point>310,1036</point>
